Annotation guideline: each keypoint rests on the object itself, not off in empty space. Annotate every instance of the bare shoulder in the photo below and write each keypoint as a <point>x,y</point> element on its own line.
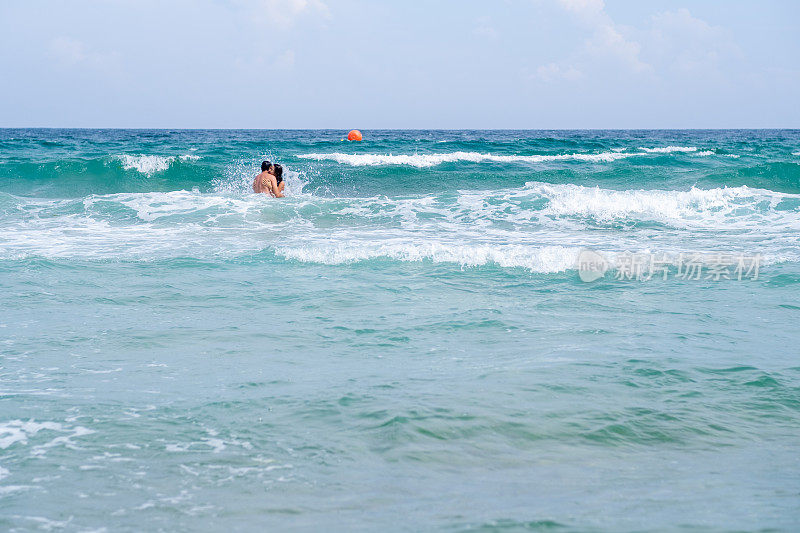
<point>260,182</point>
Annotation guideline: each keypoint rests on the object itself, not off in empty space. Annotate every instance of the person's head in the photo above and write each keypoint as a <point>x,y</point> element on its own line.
<point>265,166</point>
<point>277,171</point>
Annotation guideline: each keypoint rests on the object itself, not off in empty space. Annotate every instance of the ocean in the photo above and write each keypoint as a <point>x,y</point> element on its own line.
<point>407,341</point>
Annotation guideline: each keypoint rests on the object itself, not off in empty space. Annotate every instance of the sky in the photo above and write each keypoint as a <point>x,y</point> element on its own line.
<point>441,64</point>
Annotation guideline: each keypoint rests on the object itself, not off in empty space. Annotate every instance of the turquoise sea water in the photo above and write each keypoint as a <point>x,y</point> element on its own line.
<point>403,343</point>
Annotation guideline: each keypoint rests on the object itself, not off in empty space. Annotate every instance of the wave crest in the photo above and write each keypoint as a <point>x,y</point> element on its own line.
<point>150,164</point>
<point>669,149</point>
<point>429,160</point>
<point>542,259</point>
<point>705,207</point>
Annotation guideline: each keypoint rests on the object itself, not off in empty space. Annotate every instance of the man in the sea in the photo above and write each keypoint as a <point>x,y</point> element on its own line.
<point>270,180</point>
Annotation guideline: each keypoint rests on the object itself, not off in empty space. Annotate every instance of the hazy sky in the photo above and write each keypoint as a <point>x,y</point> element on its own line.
<point>400,64</point>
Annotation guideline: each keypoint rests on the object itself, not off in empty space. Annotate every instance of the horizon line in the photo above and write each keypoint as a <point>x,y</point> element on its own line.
<point>783,128</point>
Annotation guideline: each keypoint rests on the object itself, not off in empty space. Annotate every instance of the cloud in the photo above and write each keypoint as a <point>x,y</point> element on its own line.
<point>555,72</point>
<point>671,47</point>
<point>689,44</point>
<point>282,13</point>
<point>606,45</point>
<point>606,40</point>
<point>263,51</point>
<point>584,8</point>
<point>74,53</point>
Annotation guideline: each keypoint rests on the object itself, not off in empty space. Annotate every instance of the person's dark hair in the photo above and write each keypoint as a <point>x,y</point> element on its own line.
<point>278,173</point>
<point>265,166</point>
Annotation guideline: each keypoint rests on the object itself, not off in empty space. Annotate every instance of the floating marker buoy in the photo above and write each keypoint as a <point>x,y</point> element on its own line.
<point>354,135</point>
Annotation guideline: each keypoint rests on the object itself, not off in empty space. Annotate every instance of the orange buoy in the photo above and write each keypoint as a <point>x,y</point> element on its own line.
<point>354,135</point>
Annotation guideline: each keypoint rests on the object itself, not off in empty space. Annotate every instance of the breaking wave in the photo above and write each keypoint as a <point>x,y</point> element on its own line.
<point>541,259</point>
<point>540,226</point>
<point>429,160</point>
<point>669,149</point>
<point>150,164</point>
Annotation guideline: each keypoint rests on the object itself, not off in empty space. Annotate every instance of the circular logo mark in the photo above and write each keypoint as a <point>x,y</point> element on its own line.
<point>591,265</point>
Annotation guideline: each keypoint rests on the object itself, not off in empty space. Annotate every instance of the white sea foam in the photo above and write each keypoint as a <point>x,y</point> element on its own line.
<point>545,259</point>
<point>538,259</point>
<point>720,207</point>
<point>46,524</point>
<point>151,206</point>
<point>150,164</point>
<point>540,226</point>
<point>429,160</point>
<point>213,443</point>
<point>796,153</point>
<point>669,149</point>
<point>19,432</point>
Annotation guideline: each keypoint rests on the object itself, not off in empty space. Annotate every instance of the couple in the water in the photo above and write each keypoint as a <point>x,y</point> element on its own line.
<point>270,180</point>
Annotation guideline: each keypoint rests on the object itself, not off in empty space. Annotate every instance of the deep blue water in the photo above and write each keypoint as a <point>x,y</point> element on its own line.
<point>404,341</point>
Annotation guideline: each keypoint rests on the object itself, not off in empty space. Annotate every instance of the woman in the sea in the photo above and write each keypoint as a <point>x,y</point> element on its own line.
<point>270,180</point>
